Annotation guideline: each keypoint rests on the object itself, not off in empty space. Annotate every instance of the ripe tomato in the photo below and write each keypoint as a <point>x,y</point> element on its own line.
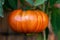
<point>28,21</point>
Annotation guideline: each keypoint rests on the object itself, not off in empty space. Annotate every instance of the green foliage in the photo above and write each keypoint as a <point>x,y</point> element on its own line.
<point>58,1</point>
<point>56,21</point>
<point>39,2</point>
<point>1,12</point>
<point>52,2</point>
<point>36,2</point>
<point>6,5</point>
<point>39,37</point>
<point>30,2</point>
<point>58,35</point>
<point>13,3</point>
<point>1,8</point>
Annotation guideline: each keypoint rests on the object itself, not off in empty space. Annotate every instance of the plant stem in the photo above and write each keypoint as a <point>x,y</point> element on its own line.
<point>44,7</point>
<point>49,14</point>
<point>51,35</point>
<point>44,34</point>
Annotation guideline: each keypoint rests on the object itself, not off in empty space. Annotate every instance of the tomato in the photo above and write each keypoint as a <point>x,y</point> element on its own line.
<point>29,21</point>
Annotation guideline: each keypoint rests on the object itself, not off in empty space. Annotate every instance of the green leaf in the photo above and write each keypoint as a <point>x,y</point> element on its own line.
<point>55,19</point>
<point>1,12</point>
<point>52,2</point>
<point>22,2</point>
<point>30,2</point>
<point>58,34</point>
<point>1,9</point>
<point>39,2</point>
<point>58,1</point>
<point>13,3</point>
<point>7,5</point>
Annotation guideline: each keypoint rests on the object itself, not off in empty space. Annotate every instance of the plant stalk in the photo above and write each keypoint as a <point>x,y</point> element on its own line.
<point>44,34</point>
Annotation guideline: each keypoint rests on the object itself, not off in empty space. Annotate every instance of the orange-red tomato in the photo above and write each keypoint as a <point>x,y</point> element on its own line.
<point>28,21</point>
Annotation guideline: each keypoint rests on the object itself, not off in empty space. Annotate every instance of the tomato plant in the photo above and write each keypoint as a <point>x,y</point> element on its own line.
<point>41,7</point>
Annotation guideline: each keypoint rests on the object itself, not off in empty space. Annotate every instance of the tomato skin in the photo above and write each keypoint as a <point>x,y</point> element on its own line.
<point>28,21</point>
